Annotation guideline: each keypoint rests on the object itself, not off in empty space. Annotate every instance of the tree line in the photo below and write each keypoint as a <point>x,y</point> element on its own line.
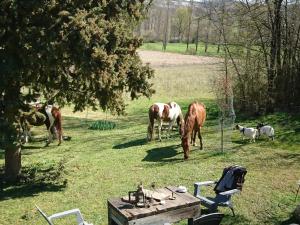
<point>260,39</point>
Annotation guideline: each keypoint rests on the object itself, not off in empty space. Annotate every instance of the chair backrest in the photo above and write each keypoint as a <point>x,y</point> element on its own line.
<point>233,177</point>
<point>44,215</point>
<point>209,219</point>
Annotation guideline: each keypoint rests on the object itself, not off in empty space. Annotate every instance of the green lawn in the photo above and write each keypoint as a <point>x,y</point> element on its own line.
<point>97,165</point>
<point>181,48</point>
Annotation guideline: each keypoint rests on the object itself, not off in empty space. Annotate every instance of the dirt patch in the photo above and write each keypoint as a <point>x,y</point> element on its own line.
<point>157,59</point>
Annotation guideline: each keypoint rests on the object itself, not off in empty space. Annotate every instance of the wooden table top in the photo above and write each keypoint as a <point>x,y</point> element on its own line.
<point>130,212</point>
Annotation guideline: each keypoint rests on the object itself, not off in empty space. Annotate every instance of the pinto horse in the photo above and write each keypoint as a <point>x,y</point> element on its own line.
<point>48,115</point>
<point>162,112</point>
<point>193,122</point>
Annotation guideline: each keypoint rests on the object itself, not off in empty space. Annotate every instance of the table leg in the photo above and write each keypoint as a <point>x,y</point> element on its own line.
<point>110,220</point>
<point>190,221</point>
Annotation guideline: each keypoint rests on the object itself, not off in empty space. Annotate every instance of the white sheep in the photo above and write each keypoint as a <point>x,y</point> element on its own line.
<point>248,132</point>
<point>266,130</point>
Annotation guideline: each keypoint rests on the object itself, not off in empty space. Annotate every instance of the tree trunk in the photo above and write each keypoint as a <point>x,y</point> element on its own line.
<point>189,25</point>
<point>197,37</point>
<point>12,162</point>
<point>274,66</point>
<point>12,130</point>
<point>166,32</point>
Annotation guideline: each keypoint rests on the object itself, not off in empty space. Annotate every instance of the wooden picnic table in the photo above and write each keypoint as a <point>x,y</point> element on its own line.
<point>184,206</point>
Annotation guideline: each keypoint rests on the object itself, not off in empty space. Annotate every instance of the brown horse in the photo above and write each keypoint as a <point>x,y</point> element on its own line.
<point>45,115</point>
<point>193,122</point>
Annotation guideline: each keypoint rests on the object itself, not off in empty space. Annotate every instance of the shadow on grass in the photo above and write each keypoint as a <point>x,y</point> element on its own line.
<point>31,147</point>
<point>129,144</point>
<point>290,221</point>
<point>2,154</point>
<point>237,219</point>
<point>162,154</point>
<point>33,181</point>
<point>240,143</point>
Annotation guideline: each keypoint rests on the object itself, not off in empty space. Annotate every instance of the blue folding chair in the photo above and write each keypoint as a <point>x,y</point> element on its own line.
<point>230,183</point>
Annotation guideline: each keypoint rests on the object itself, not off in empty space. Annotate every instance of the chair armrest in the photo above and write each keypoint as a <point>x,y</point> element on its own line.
<point>197,186</point>
<point>230,192</point>
<point>67,213</point>
<point>205,183</point>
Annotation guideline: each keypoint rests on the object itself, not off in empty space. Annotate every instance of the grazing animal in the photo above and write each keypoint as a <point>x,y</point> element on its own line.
<point>162,112</point>
<point>193,122</point>
<point>48,115</point>
<point>266,130</point>
<point>248,132</point>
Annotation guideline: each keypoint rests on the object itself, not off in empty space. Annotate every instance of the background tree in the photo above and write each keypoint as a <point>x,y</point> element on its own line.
<point>190,12</point>
<point>180,22</point>
<point>167,26</point>
<point>79,52</point>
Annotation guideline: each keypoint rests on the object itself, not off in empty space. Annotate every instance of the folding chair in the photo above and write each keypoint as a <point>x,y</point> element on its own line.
<point>209,219</point>
<point>75,212</point>
<point>230,183</point>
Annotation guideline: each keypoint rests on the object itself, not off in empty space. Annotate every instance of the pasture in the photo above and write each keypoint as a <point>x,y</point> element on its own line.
<point>97,165</point>
<point>212,49</point>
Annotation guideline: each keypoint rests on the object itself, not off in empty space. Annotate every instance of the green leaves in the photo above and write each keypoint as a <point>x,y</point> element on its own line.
<point>41,41</point>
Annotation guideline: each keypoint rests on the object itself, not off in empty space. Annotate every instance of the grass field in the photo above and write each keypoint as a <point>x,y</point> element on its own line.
<point>181,48</point>
<point>97,165</point>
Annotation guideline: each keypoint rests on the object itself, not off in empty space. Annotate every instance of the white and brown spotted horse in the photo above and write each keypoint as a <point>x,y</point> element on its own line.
<point>162,112</point>
<point>45,115</point>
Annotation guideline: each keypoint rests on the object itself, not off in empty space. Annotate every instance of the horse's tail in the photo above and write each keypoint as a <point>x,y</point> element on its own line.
<point>58,125</point>
<point>180,123</point>
<point>202,111</point>
<point>151,123</point>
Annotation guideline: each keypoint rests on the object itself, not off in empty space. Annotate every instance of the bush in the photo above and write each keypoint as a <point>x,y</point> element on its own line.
<point>102,125</point>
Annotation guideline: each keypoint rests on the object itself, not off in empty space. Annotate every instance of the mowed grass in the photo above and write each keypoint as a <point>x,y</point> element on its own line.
<point>97,165</point>
<point>212,49</point>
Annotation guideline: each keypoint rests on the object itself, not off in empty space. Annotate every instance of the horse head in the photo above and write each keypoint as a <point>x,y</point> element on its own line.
<point>186,146</point>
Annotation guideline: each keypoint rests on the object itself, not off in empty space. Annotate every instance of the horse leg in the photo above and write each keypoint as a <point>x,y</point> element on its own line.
<point>159,129</point>
<point>27,134</point>
<point>150,132</point>
<point>59,136</point>
<point>200,138</point>
<point>194,133</point>
<point>58,126</point>
<point>50,137</point>
<point>171,124</point>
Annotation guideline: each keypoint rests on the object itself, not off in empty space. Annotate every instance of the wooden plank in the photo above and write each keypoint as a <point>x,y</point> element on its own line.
<point>187,197</point>
<point>168,216</point>
<point>156,194</point>
<point>120,207</point>
<point>115,218</point>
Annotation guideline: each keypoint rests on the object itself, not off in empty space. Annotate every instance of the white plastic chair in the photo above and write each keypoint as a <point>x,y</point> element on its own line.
<point>75,212</point>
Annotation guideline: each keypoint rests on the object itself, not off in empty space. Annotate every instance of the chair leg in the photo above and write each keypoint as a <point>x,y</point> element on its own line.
<point>232,210</point>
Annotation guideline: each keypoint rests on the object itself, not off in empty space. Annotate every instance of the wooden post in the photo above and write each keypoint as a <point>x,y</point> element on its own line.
<point>222,133</point>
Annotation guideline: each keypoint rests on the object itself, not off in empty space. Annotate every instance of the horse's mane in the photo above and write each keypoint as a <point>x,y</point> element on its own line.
<point>188,125</point>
